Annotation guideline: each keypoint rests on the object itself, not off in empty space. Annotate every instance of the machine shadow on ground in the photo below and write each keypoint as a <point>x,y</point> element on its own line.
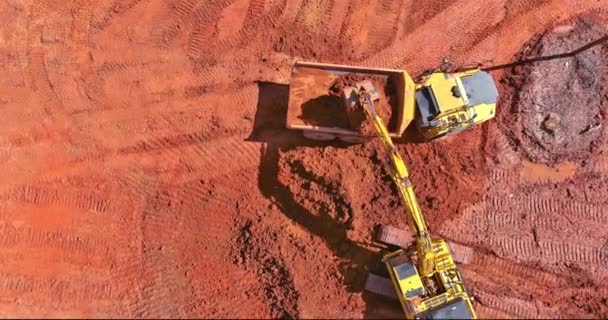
<point>269,128</point>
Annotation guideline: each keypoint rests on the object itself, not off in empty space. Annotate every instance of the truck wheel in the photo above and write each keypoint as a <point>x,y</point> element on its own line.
<point>354,139</point>
<point>319,136</point>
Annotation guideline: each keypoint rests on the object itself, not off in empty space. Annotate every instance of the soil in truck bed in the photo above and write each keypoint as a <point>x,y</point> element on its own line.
<point>318,95</point>
<point>357,117</point>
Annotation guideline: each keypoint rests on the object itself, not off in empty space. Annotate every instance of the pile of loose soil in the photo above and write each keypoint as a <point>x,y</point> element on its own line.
<point>559,107</point>
<point>351,188</point>
<point>356,114</point>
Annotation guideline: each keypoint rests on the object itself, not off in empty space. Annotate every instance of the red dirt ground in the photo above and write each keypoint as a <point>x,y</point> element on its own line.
<point>147,171</point>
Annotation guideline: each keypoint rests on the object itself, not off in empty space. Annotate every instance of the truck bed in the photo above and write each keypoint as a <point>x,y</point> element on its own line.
<point>311,107</point>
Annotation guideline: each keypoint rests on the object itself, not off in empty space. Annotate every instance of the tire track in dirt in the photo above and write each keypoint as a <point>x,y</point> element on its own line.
<point>121,121</point>
<point>206,197</point>
<point>505,293</point>
<point>600,165</point>
<point>204,27</point>
<point>506,153</point>
<point>56,197</point>
<point>544,305</point>
<point>517,307</point>
<point>159,252</point>
<point>212,78</point>
<point>211,230</point>
<point>336,16</point>
<point>504,178</point>
<point>383,32</point>
<point>48,59</point>
<point>39,78</point>
<point>539,206</point>
<point>290,11</point>
<point>482,262</point>
<point>59,290</point>
<point>553,251</point>
<point>158,287</point>
<point>533,250</point>
<point>26,237</point>
<point>172,147</point>
<point>421,12</point>
<point>272,16</point>
<point>219,126</point>
<point>274,275</point>
<point>232,307</point>
<point>402,53</point>
<point>27,117</point>
<point>500,214</point>
<point>162,294</point>
<point>534,19</point>
<point>254,19</point>
<point>178,21</point>
<point>207,160</point>
<point>484,292</point>
<point>485,312</point>
<point>559,251</point>
<point>13,68</point>
<point>96,265</point>
<point>115,10</point>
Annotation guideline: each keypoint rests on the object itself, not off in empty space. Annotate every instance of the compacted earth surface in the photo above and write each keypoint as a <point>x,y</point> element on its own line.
<point>147,171</point>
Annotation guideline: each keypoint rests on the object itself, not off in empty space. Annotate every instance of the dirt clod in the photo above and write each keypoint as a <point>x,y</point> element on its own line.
<point>559,100</point>
<point>551,122</point>
<point>357,116</point>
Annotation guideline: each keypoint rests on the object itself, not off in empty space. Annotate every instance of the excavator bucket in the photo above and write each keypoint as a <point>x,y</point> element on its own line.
<point>351,94</point>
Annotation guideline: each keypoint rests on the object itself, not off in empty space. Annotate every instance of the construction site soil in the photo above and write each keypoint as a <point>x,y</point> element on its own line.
<point>148,171</point>
<point>383,106</point>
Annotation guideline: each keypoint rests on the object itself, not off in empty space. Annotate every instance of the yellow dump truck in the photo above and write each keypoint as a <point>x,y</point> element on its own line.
<point>440,104</point>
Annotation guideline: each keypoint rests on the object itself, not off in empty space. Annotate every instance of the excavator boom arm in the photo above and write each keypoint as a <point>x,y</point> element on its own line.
<point>400,176</point>
<point>399,172</point>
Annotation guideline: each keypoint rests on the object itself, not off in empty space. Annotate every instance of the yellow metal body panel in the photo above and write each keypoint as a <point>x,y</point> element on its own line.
<point>454,113</point>
<point>442,84</point>
<point>406,285</point>
<point>409,102</point>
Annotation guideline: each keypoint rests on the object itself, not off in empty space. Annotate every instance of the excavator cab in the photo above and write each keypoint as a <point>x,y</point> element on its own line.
<point>448,103</point>
<point>429,299</point>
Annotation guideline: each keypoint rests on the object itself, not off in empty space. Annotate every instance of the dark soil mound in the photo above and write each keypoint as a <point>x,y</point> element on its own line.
<point>558,111</point>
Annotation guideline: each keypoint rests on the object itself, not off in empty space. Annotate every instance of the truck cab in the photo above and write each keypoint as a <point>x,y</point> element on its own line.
<point>448,103</point>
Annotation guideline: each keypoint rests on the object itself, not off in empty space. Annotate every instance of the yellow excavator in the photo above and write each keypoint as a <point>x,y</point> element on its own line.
<point>427,283</point>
